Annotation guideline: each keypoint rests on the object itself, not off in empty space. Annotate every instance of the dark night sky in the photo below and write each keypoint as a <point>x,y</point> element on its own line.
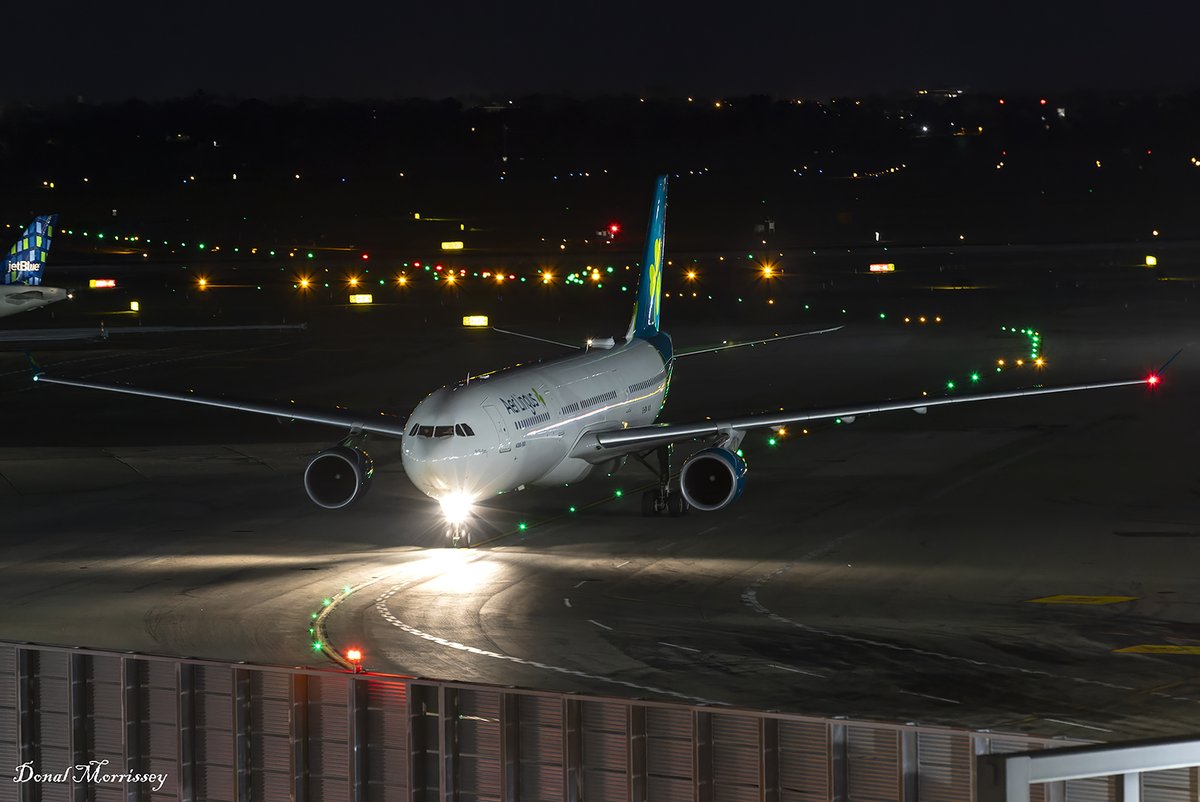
<point>107,51</point>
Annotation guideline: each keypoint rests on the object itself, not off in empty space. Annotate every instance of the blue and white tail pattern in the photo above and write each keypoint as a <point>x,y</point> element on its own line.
<point>26,260</point>
<point>644,325</point>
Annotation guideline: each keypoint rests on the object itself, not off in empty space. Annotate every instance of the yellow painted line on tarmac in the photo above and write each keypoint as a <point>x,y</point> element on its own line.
<point>1158,648</point>
<point>1072,599</point>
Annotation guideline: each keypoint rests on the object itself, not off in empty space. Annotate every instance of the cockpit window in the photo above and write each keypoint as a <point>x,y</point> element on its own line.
<point>459,429</point>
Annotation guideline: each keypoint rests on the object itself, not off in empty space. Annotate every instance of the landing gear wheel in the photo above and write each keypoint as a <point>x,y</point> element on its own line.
<point>649,503</point>
<point>677,505</point>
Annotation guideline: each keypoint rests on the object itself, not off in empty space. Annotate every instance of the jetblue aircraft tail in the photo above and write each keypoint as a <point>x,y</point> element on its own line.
<point>26,259</point>
<point>644,325</point>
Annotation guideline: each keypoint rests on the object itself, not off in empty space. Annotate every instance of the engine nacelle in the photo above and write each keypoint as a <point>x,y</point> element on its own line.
<point>712,478</point>
<point>338,476</point>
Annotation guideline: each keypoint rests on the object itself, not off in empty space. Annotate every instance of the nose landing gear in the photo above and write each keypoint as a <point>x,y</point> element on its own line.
<point>666,498</point>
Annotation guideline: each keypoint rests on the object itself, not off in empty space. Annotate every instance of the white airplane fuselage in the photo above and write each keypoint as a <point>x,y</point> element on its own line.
<point>527,420</point>
<point>16,298</point>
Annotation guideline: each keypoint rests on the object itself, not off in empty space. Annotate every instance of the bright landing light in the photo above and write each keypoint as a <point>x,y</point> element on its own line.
<point>456,507</point>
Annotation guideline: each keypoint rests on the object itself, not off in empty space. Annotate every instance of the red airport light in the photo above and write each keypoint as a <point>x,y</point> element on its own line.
<point>1152,380</point>
<point>614,228</point>
<point>355,658</point>
<point>1042,101</point>
<point>366,256</point>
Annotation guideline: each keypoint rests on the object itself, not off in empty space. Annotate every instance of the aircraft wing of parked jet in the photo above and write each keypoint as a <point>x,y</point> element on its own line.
<point>559,421</point>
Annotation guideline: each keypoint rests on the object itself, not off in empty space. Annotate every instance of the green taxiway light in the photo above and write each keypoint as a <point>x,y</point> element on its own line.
<point>950,385</point>
<point>619,493</point>
<point>346,591</point>
<point>327,602</point>
<point>739,453</point>
<point>974,377</point>
<point>312,630</point>
<point>882,316</point>
<point>310,255</point>
<point>317,646</point>
<point>771,441</point>
<point>571,509</point>
<point>522,526</point>
<point>314,615</point>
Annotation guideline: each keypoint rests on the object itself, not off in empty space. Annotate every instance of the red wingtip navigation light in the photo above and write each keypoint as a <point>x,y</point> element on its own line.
<point>1152,380</point>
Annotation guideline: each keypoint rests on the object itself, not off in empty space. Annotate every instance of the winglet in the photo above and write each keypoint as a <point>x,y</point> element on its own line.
<point>1160,371</point>
<point>35,369</point>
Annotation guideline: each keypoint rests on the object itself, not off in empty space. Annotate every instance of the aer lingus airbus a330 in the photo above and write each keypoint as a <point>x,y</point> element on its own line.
<point>557,421</point>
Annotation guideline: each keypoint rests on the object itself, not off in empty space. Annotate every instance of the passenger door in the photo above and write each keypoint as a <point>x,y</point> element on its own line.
<point>501,427</point>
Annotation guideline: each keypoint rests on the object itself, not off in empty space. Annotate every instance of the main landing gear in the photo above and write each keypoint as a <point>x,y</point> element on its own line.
<point>666,498</point>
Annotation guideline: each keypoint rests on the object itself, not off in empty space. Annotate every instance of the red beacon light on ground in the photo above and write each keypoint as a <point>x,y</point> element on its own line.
<point>355,658</point>
<point>1152,380</point>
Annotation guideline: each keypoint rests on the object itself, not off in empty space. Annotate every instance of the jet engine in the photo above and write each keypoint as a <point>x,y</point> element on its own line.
<point>712,478</point>
<point>338,476</point>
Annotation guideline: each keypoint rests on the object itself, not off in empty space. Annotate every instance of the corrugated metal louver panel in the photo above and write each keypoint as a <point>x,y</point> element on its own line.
<point>9,755</point>
<point>541,748</point>
<point>736,754</point>
<point>270,735</point>
<point>804,760</point>
<point>328,738</point>
<point>479,744</point>
<point>669,789</point>
<point>943,767</point>
<point>873,764</point>
<point>1095,789</point>
<point>214,733</point>
<point>605,759</point>
<point>1176,785</point>
<point>669,751</point>
<point>387,741</point>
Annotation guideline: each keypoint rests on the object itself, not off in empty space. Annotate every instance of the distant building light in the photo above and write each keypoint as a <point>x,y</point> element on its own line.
<point>362,298</point>
<point>883,267</point>
<point>134,306</point>
<point>102,283</point>
<point>475,321</point>
<point>1151,261</point>
<point>456,245</point>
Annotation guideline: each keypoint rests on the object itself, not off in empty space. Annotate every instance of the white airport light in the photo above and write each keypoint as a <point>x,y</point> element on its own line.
<point>134,306</point>
<point>475,321</point>
<point>362,298</point>
<point>1151,261</point>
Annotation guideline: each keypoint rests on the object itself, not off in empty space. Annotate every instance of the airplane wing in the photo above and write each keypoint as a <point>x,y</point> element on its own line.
<point>725,346</point>
<point>380,423</point>
<point>57,335</point>
<point>598,446</point>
